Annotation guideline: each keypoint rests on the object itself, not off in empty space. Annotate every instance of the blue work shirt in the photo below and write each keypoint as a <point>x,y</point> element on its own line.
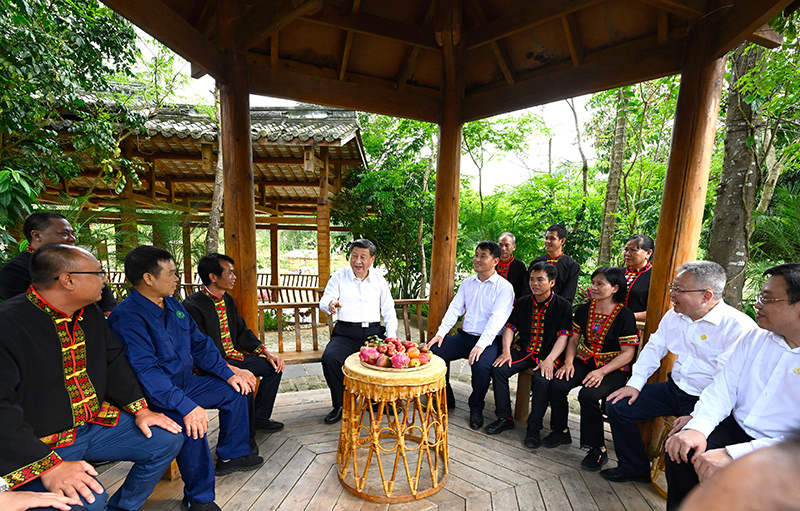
<point>163,345</point>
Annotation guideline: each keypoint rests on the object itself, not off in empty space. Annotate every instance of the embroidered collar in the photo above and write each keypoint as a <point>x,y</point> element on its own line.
<point>57,315</point>
<point>636,271</point>
<point>30,249</point>
<point>214,298</point>
<point>554,260</point>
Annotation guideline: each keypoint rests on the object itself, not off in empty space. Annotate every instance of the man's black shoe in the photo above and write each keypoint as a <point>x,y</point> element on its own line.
<point>190,505</point>
<point>532,439</point>
<point>475,420</point>
<point>268,425</point>
<point>595,458</point>
<point>500,425</point>
<point>556,438</point>
<point>334,416</point>
<point>614,475</point>
<point>243,464</point>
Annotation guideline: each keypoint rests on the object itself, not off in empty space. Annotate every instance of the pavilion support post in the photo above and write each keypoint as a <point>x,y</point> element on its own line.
<point>686,182</point>
<point>126,229</point>
<point>323,216</point>
<point>239,196</point>
<point>274,271</point>
<point>445,220</point>
<point>187,254</point>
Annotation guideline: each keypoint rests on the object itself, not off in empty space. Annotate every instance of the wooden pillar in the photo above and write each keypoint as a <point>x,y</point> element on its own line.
<point>126,230</point>
<point>237,154</point>
<point>188,273</point>
<point>686,181</point>
<point>274,276</point>
<point>323,215</point>
<point>448,170</point>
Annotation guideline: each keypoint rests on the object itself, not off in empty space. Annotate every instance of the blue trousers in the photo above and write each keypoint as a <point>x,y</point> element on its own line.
<point>194,459</point>
<point>458,346</point>
<point>123,442</point>
<point>655,400</point>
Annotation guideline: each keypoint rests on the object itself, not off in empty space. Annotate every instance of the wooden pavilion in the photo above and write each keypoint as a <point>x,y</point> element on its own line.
<point>299,155</point>
<point>450,62</point>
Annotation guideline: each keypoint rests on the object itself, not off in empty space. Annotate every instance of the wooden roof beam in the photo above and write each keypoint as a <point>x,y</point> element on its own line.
<point>767,37</point>
<point>523,17</point>
<point>642,60</point>
<point>158,20</point>
<point>375,26</point>
<point>573,39</point>
<point>500,54</point>
<point>413,54</point>
<point>267,17</point>
<point>740,21</point>
<point>348,43</point>
<point>344,94</point>
<point>689,9</point>
<point>264,182</point>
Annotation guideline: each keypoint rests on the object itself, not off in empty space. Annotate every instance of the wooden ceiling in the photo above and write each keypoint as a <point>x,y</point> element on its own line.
<point>395,57</point>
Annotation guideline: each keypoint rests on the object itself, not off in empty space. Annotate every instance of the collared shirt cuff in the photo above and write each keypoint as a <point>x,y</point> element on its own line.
<point>485,341</point>
<point>186,406</point>
<point>703,426</point>
<point>136,406</point>
<point>736,451</point>
<point>636,382</point>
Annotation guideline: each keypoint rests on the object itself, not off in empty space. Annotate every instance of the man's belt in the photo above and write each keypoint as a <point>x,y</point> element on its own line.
<point>363,324</point>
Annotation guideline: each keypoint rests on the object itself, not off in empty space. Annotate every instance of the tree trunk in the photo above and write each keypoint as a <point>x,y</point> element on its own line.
<point>584,162</point>
<point>738,183</point>
<point>614,180</point>
<point>423,266</point>
<point>212,236</point>
<point>774,167</point>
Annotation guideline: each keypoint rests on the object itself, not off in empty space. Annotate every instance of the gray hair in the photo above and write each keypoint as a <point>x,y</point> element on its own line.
<point>513,238</point>
<point>707,274</point>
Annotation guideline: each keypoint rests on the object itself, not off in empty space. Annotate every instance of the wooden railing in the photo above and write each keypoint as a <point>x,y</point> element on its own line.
<point>299,311</point>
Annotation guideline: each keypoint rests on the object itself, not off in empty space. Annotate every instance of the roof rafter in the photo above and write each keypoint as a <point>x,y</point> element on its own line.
<point>684,8</point>
<point>272,16</point>
<point>741,21</point>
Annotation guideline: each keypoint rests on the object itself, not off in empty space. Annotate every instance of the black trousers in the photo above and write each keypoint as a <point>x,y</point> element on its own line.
<point>681,477</point>
<point>345,340</point>
<point>260,407</point>
<point>539,385</point>
<point>655,400</point>
<point>590,398</point>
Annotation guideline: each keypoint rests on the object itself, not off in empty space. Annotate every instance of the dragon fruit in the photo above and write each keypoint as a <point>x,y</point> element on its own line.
<point>400,361</point>
<point>369,355</point>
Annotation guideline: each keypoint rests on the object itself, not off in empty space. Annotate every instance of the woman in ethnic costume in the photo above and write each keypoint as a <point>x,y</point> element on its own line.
<point>637,253</point>
<point>598,357</point>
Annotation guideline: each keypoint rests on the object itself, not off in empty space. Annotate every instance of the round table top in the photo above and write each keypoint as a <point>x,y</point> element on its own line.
<point>429,373</point>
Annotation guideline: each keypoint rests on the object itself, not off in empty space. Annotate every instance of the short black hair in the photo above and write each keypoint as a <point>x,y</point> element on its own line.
<point>364,243</point>
<point>492,247</point>
<point>38,221</point>
<point>616,277</point>
<point>210,264</point>
<point>791,274</point>
<point>51,260</point>
<point>549,269</point>
<point>559,229</point>
<point>144,259</point>
<point>643,241</point>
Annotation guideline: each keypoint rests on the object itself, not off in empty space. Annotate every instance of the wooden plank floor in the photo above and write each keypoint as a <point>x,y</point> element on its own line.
<point>486,472</point>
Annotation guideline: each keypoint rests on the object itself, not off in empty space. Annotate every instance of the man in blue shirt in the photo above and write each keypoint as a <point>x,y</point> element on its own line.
<point>163,344</point>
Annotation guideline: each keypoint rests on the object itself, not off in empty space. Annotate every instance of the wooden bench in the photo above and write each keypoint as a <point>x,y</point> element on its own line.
<point>303,354</point>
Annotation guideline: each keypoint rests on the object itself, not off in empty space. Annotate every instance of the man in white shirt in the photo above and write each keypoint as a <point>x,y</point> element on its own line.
<point>359,298</point>
<point>753,402</point>
<point>701,330</point>
<point>485,300</point>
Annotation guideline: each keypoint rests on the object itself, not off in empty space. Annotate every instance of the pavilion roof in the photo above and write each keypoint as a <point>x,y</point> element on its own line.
<point>180,144</point>
<point>396,57</point>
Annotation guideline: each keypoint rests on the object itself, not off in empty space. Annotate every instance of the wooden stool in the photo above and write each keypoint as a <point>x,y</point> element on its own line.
<point>395,423</point>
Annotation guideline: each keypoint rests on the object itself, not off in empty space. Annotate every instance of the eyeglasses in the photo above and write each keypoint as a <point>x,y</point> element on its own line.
<point>760,300</point>
<point>101,273</point>
<point>676,289</point>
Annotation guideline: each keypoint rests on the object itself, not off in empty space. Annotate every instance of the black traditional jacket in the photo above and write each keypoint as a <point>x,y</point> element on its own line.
<point>567,277</point>
<point>56,373</point>
<point>204,312</point>
<point>517,274</point>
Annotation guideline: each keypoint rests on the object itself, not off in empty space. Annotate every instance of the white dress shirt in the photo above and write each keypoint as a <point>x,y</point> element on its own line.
<point>759,383</point>
<point>485,306</point>
<point>361,300</point>
<point>701,346</point>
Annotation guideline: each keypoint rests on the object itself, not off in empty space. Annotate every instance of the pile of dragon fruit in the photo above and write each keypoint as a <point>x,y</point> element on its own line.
<point>394,352</point>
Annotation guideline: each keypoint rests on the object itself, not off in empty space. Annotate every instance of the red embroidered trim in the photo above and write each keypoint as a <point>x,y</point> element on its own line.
<point>554,260</point>
<point>224,330</point>
<point>631,274</point>
<point>597,327</point>
<point>537,325</point>
<point>32,470</point>
<point>502,268</point>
